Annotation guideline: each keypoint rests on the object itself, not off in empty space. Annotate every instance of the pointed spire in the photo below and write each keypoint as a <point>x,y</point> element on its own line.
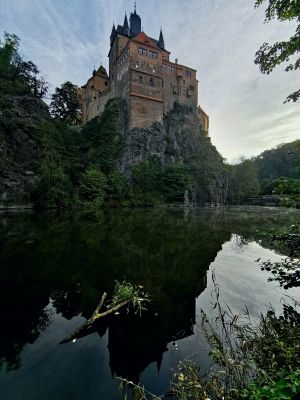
<point>126,29</point>
<point>161,42</point>
<point>113,32</point>
<point>135,7</point>
<point>125,25</point>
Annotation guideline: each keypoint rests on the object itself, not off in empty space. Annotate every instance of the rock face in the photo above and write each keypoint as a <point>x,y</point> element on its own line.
<point>179,139</point>
<point>20,149</point>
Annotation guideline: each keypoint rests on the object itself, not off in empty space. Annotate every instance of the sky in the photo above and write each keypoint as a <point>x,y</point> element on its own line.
<point>66,39</point>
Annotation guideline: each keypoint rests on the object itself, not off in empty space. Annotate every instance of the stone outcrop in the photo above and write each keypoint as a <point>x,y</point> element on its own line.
<point>179,139</point>
<point>20,148</point>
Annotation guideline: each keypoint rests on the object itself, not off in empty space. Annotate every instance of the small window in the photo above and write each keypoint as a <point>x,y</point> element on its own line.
<point>141,79</point>
<point>154,70</point>
<point>151,82</point>
<point>184,82</point>
<point>188,73</point>
<point>92,87</point>
<point>106,83</point>
<point>137,65</point>
<point>152,54</point>
<point>173,69</point>
<point>142,51</point>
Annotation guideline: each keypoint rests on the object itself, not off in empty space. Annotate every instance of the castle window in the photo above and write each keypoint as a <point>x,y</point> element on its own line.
<point>152,54</point>
<point>188,73</point>
<point>142,51</point>
<point>151,82</point>
<point>141,79</point>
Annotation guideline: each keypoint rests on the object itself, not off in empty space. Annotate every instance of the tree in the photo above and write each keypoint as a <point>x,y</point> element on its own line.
<point>18,76</point>
<point>92,185</point>
<point>269,56</point>
<point>174,182</point>
<point>65,104</point>
<point>243,181</point>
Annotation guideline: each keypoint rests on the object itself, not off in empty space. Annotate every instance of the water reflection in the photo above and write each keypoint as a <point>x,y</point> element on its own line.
<point>73,258</point>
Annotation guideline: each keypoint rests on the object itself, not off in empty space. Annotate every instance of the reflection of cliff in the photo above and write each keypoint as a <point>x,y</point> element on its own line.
<point>73,258</point>
<point>136,342</point>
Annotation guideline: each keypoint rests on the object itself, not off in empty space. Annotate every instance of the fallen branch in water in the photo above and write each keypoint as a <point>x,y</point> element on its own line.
<point>124,294</point>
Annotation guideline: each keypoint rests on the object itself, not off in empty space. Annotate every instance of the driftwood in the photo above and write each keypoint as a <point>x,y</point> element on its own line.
<point>89,326</point>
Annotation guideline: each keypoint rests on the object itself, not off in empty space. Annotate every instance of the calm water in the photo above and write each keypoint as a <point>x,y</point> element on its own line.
<point>54,268</point>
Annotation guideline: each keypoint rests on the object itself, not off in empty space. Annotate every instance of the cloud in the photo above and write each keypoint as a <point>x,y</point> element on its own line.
<point>219,38</point>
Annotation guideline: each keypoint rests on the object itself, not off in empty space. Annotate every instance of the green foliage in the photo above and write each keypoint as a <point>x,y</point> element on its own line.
<point>269,56</point>
<point>18,76</point>
<point>154,182</point>
<point>243,181</point>
<point>92,186</point>
<point>102,140</point>
<point>287,186</point>
<point>128,292</point>
<point>117,185</point>
<point>54,188</point>
<point>146,175</point>
<point>287,387</point>
<point>174,182</point>
<point>65,105</point>
<point>273,164</point>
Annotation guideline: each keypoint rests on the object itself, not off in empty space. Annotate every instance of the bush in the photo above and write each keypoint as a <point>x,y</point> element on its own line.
<point>92,186</point>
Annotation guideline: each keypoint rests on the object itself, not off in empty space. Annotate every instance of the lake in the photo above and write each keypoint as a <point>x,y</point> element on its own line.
<point>55,266</point>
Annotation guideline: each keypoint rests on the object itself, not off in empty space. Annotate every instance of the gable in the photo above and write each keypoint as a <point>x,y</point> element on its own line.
<point>143,38</point>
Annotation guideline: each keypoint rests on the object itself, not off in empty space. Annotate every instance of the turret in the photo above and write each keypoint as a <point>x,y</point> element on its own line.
<point>135,23</point>
<point>126,29</point>
<point>112,35</point>
<point>161,42</point>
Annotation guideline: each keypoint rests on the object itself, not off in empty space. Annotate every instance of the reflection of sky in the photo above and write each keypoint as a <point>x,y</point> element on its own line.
<point>81,370</point>
<point>66,39</point>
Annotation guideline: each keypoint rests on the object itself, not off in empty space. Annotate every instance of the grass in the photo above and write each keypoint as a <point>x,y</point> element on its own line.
<point>133,294</point>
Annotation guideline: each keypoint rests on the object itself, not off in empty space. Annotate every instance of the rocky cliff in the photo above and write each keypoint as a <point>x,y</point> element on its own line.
<point>23,157</point>
<point>179,139</point>
<point>20,147</point>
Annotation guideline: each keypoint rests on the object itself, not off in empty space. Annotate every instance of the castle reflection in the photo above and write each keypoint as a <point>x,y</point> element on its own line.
<point>73,258</point>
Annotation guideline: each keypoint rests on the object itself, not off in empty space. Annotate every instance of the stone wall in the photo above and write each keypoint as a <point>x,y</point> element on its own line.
<point>144,111</point>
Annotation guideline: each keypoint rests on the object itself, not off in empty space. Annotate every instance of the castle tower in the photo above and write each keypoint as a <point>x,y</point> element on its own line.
<point>126,29</point>
<point>161,42</point>
<point>142,74</point>
<point>135,23</point>
<point>112,35</point>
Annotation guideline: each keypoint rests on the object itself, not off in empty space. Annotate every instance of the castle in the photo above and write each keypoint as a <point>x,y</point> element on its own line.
<point>141,73</point>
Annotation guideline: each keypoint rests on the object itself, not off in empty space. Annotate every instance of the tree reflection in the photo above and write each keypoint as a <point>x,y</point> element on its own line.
<point>74,258</point>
